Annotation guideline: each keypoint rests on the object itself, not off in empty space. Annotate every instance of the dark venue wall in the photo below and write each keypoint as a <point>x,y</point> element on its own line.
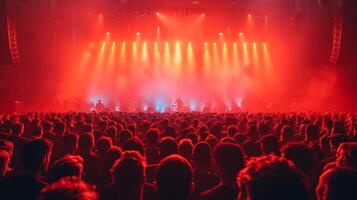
<point>5,54</point>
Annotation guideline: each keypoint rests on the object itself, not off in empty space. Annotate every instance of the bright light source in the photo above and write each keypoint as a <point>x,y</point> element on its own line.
<point>107,33</point>
<point>157,13</point>
<point>138,34</point>
<point>240,34</point>
<point>220,34</point>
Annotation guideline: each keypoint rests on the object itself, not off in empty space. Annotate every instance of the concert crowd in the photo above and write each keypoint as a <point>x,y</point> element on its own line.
<point>178,156</point>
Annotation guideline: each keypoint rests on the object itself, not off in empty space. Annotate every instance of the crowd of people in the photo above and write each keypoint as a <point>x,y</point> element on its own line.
<point>178,156</point>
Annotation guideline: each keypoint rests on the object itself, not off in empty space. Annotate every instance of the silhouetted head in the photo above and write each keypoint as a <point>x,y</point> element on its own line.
<point>229,159</point>
<point>18,129</point>
<point>336,184</point>
<point>86,143</point>
<point>37,131</point>
<point>35,155</point>
<point>59,128</point>
<point>347,155</point>
<point>174,178</point>
<point>112,132</point>
<point>66,166</point>
<point>69,188</point>
<point>287,134</point>
<point>202,154</point>
<point>7,146</point>
<point>271,177</point>
<point>232,130</point>
<point>103,145</point>
<point>134,144</point>
<point>185,148</point>
<point>152,136</point>
<point>129,175</point>
<point>300,155</point>
<point>124,136</point>
<point>4,162</point>
<point>167,146</point>
<point>312,133</point>
<point>336,140</point>
<point>70,142</point>
<point>270,145</point>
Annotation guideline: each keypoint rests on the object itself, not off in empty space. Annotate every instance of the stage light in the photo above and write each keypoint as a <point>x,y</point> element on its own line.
<point>266,55</point>
<point>123,53</point>
<point>255,54</point>
<point>144,53</point>
<point>241,34</point>
<point>215,54</point>
<point>249,20</point>
<point>177,56</point>
<point>235,57</point>
<point>206,59</point>
<point>220,34</point>
<point>156,53</point>
<point>190,59</point>
<point>245,54</point>
<point>167,56</point>
<point>138,33</point>
<point>98,67</point>
<point>112,58</point>
<point>107,33</point>
<point>157,13</point>
<point>134,49</point>
<point>225,55</point>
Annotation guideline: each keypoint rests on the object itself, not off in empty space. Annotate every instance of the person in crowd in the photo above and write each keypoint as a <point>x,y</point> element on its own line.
<point>103,145</point>
<point>229,158</point>
<point>337,183</point>
<point>128,178</point>
<point>269,145</point>
<point>272,177</point>
<point>67,166</point>
<point>68,188</point>
<point>287,135</point>
<point>185,149</point>
<point>4,163</point>
<point>70,145</point>
<point>174,178</point>
<point>35,157</point>
<point>167,146</point>
<point>18,140</point>
<point>106,176</point>
<point>152,151</point>
<point>299,154</point>
<point>203,176</point>
<point>92,162</point>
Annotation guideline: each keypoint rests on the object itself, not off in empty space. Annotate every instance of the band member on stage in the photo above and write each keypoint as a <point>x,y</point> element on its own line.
<point>179,104</point>
<point>99,106</point>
